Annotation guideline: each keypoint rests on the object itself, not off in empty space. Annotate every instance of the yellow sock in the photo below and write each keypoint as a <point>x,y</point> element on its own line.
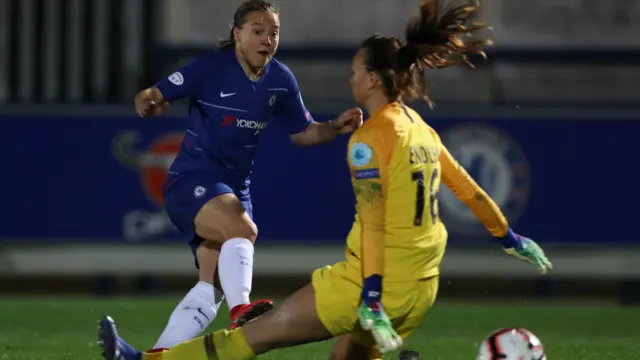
<point>232,345</point>
<point>221,345</point>
<point>188,350</point>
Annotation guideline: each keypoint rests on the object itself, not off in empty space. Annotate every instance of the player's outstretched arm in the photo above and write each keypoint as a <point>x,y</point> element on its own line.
<point>317,133</point>
<point>303,131</point>
<point>150,102</point>
<point>184,83</point>
<point>456,178</point>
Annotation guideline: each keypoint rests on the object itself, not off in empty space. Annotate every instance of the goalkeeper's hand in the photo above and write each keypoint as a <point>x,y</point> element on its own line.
<point>372,317</point>
<point>525,249</point>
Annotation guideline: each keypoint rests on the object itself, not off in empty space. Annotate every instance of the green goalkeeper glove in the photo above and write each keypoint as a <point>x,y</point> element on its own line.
<point>525,249</point>
<point>373,319</point>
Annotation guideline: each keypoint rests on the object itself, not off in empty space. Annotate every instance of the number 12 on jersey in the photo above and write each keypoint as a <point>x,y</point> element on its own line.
<point>418,177</point>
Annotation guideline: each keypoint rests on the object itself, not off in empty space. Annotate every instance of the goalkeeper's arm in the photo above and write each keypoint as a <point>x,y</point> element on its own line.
<point>456,178</point>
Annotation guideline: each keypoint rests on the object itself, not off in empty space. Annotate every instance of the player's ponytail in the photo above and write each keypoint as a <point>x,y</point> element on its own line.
<point>240,18</point>
<point>228,43</point>
<point>437,38</point>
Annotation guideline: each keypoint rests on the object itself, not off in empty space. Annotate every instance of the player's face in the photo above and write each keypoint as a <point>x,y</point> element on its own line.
<point>362,80</point>
<point>258,38</point>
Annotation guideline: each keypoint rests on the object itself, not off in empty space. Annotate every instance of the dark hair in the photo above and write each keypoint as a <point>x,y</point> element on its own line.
<point>240,18</point>
<point>436,39</point>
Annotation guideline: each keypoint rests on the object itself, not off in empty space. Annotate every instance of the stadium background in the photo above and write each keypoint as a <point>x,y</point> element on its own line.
<point>548,126</point>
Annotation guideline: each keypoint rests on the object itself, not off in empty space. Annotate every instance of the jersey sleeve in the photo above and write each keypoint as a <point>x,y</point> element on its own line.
<point>369,156</point>
<point>291,110</point>
<point>456,178</point>
<point>186,81</point>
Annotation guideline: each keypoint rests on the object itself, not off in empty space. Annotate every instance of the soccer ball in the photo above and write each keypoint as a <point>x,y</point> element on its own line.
<point>511,344</point>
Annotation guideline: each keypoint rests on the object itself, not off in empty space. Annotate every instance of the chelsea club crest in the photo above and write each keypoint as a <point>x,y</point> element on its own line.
<point>498,165</point>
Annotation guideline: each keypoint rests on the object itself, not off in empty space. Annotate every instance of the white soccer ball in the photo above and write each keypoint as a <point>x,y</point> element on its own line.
<point>511,344</point>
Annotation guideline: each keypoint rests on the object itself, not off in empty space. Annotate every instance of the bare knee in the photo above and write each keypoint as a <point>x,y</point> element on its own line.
<point>244,228</point>
<point>221,230</point>
<point>223,218</point>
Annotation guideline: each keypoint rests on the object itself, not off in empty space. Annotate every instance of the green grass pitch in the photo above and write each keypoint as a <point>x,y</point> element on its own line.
<point>57,329</point>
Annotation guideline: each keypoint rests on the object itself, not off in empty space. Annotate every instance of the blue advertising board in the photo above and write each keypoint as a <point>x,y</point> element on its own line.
<point>99,179</point>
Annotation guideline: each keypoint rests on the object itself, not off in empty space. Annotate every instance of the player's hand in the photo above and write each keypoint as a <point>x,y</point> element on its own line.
<point>525,249</point>
<point>348,121</point>
<point>372,318</point>
<point>148,103</point>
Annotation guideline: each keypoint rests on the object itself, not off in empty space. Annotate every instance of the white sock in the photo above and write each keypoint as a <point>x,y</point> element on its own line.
<point>235,268</point>
<point>192,315</point>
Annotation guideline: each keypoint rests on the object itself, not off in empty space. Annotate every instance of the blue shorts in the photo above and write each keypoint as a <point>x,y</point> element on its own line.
<point>186,193</point>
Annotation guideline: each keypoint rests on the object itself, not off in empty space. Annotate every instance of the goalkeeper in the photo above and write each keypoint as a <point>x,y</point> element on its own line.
<point>374,299</point>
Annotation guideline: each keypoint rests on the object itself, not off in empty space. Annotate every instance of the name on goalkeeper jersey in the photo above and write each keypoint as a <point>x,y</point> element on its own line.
<point>423,154</point>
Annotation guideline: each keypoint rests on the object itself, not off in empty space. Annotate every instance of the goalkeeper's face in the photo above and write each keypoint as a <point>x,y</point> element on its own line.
<point>362,81</point>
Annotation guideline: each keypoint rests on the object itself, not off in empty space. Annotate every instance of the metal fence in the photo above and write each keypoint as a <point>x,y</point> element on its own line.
<point>74,51</point>
<point>103,51</point>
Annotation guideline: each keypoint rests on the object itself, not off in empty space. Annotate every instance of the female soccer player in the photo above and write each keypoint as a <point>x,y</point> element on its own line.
<point>397,242</point>
<point>233,93</point>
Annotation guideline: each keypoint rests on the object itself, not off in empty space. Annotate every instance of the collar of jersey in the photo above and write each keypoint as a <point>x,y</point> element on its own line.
<point>235,60</point>
<point>381,110</point>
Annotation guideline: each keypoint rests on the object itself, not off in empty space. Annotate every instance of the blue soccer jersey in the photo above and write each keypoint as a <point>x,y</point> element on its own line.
<point>228,112</point>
